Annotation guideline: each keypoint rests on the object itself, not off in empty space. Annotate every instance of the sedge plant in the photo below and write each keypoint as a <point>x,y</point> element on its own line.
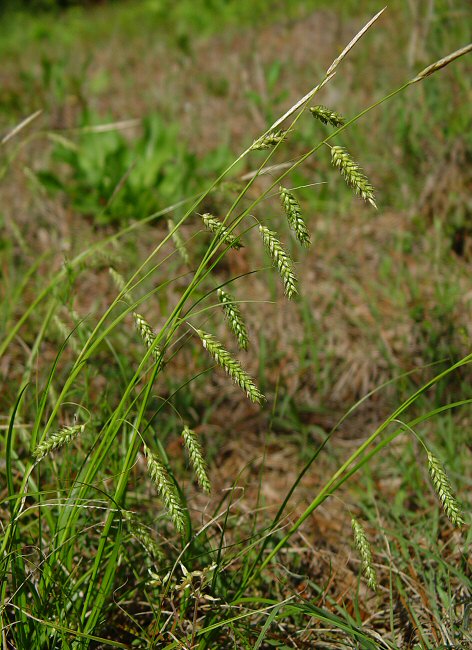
<point>92,501</point>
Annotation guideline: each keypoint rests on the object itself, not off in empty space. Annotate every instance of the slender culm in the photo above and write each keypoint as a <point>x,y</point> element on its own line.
<point>224,359</point>
<point>234,318</point>
<point>281,260</point>
<point>352,174</point>
<point>294,216</point>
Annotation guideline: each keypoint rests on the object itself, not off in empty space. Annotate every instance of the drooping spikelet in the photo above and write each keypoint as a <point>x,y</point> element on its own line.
<point>117,278</point>
<point>281,260</point>
<point>214,225</point>
<point>269,140</point>
<point>194,449</point>
<point>65,333</point>
<point>352,174</point>
<point>234,318</point>
<point>166,488</point>
<point>443,489</point>
<point>363,546</point>
<point>178,241</point>
<point>147,333</point>
<point>294,216</point>
<point>56,440</point>
<point>327,116</point>
<point>231,366</point>
<point>142,534</point>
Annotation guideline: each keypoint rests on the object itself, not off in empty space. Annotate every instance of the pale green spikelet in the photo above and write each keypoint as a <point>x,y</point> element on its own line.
<point>65,333</point>
<point>231,366</point>
<point>443,489</point>
<point>214,225</point>
<point>142,534</point>
<point>194,449</point>
<point>178,241</point>
<point>117,278</point>
<point>56,440</point>
<point>294,216</point>
<point>269,140</point>
<point>281,260</point>
<point>363,546</point>
<point>234,318</point>
<point>147,333</point>
<point>327,116</point>
<point>166,488</point>
<point>352,174</point>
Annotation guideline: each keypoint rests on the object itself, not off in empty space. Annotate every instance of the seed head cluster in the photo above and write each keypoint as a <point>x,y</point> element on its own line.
<point>194,450</point>
<point>281,260</point>
<point>214,225</point>
<point>352,174</point>
<point>166,488</point>
<point>56,440</point>
<point>234,318</point>
<point>269,140</point>
<point>147,333</point>
<point>294,216</point>
<point>443,489</point>
<point>224,359</point>
<point>327,116</point>
<point>363,546</point>
<point>178,241</point>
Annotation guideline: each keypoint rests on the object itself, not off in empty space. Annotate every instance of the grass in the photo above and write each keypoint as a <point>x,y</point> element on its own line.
<point>107,541</point>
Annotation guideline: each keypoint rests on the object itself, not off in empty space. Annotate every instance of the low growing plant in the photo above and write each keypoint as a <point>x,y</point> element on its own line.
<point>57,596</point>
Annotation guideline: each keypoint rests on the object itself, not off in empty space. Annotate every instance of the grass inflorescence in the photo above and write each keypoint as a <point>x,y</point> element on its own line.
<point>352,174</point>
<point>234,318</point>
<point>231,366</point>
<point>443,489</point>
<point>281,260</point>
<point>294,216</point>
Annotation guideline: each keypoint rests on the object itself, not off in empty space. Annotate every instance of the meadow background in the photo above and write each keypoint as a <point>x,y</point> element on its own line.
<point>142,105</point>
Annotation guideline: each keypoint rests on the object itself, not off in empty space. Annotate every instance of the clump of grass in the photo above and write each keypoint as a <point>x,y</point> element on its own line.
<point>294,216</point>
<point>166,488</point>
<point>443,489</point>
<point>56,440</point>
<point>327,116</point>
<point>214,225</point>
<point>281,260</point>
<point>234,318</point>
<point>365,552</point>
<point>197,460</point>
<point>224,359</point>
<point>352,174</point>
<point>269,140</point>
